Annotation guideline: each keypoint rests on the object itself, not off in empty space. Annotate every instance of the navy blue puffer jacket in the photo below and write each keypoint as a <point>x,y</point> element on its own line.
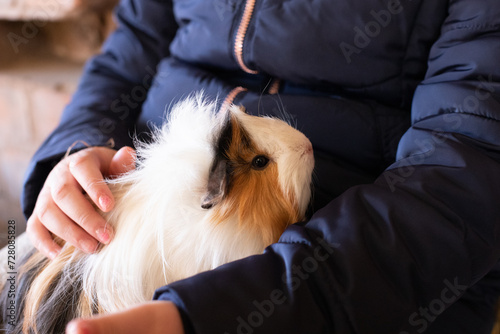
<point>401,100</point>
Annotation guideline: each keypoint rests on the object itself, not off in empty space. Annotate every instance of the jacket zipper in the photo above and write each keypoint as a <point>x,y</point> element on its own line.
<point>241,34</point>
<point>228,101</point>
<point>274,87</point>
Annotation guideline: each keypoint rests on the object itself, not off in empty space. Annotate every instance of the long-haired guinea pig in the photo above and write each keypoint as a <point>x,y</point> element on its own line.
<point>212,187</point>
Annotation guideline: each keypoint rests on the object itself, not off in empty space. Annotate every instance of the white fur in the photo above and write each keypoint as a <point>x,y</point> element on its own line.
<point>162,233</point>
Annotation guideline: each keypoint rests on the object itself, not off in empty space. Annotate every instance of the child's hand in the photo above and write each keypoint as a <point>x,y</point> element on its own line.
<point>63,209</point>
<point>152,318</point>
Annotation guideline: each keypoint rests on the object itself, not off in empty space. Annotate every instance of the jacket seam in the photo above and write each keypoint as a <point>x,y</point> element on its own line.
<point>473,27</point>
<point>301,243</point>
<point>449,111</point>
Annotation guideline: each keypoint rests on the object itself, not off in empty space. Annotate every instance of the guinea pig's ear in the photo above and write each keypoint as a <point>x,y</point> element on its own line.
<point>218,181</point>
<point>220,172</point>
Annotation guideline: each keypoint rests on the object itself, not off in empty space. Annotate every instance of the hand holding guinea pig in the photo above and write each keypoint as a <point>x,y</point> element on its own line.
<point>63,210</point>
<point>212,187</point>
<point>156,317</point>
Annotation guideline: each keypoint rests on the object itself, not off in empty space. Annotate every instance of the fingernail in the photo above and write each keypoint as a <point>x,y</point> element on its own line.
<point>72,328</point>
<point>75,328</point>
<point>88,246</point>
<point>104,202</point>
<point>104,235</point>
<point>53,254</point>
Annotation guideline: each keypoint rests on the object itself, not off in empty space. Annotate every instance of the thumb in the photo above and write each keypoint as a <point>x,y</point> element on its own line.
<point>123,161</point>
<point>152,318</point>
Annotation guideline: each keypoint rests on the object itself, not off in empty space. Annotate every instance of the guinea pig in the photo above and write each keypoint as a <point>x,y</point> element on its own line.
<point>211,187</point>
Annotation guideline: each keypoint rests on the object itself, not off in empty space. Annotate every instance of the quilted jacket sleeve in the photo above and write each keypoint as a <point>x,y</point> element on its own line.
<point>389,257</point>
<point>112,89</point>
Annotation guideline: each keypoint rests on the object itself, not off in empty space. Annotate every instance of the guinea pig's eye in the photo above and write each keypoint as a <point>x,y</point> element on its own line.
<point>260,162</point>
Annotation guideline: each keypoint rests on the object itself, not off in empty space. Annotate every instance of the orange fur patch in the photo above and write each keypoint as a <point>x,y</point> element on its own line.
<point>254,196</point>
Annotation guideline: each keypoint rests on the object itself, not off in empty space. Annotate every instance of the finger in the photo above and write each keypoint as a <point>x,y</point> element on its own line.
<point>41,238</point>
<point>152,318</point>
<point>76,206</point>
<point>123,161</point>
<point>56,221</point>
<point>86,167</point>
